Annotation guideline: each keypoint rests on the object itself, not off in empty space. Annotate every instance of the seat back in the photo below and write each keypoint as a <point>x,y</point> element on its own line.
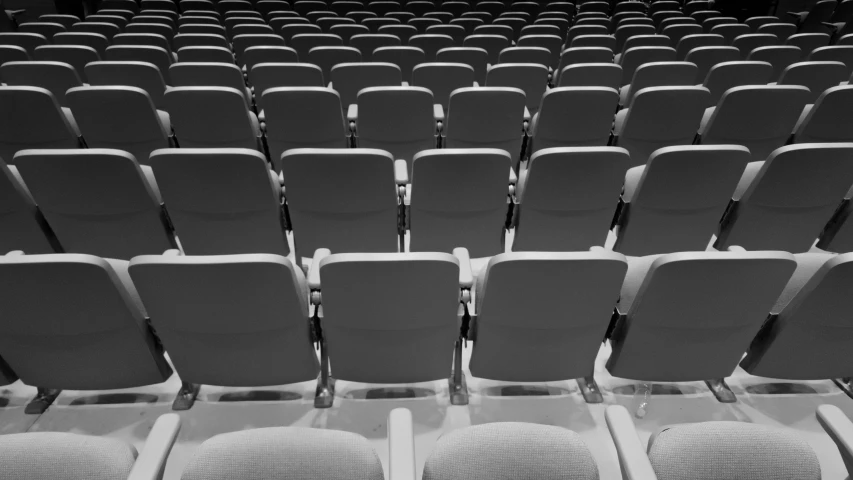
<point>91,335</point>
<point>661,74</point>
<point>207,54</point>
<point>459,199</point>
<point>271,343</point>
<point>637,56</point>
<point>760,118</point>
<point>23,226</point>
<point>783,30</point>
<point>539,55</point>
<point>554,44</point>
<point>143,75</point>
<point>646,41</point>
<point>486,117</point>
<point>212,117</point>
<point>134,128</point>
<point>808,42</point>
<point>694,314</point>
<point>659,117</point>
<point>13,53</point>
<point>335,190</point>
<point>245,41</point>
<point>723,76</point>
<point>75,55</point>
<point>28,41</point>
<point>731,31</point>
<point>476,58</point>
<point>367,339</point>
<point>690,42</point>
<point>567,197</point>
<point>56,77</point>
<point>138,53</point>
<point>625,32</point>
<point>511,334</point>
<point>574,116</point>
<point>816,76</point>
<point>154,39</point>
<point>836,53</point>
<point>368,43</point>
<point>265,76</point>
<point>406,58</point>
<point>258,54</point>
<point>780,56</point>
<point>679,199</point>
<point>829,120</point>
<point>706,57</point>
<point>492,44</point>
<point>327,57</point>
<point>108,30</point>
<point>790,199</point>
<point>350,78</point>
<point>302,117</point>
<point>531,78</point>
<point>32,119</point>
<point>304,42</point>
<point>748,42</point>
<point>599,40</point>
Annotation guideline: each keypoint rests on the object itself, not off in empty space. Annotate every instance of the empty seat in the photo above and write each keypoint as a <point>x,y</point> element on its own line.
<point>304,42</point>
<point>592,75</point>
<point>212,117</point>
<point>573,116</point>
<point>13,53</point>
<point>358,215</point>
<point>442,79</point>
<point>580,30</point>
<point>760,118</point>
<point>712,22</point>
<point>326,23</point>
<point>132,74</point>
<point>834,53</point>
<point>784,202</point>
<point>28,41</point>
<point>575,55</point>
<point>530,78</point>
<point>731,31</point>
<point>726,75</point>
<point>24,227</point>
<point>486,117</point>
<point>459,198</point>
<point>201,74</point>
<point>456,32</point>
<point>367,44</point>
<point>747,43</point>
<point>780,56</point>
<point>291,30</point>
<point>706,57</point>
<point>622,33</point>
<point>302,117</point>
<point>105,340</point>
<point>199,39</point>
<point>678,31</point>
<point>552,42</point>
<point>56,77</point>
<point>108,30</point>
<point>566,198</point>
<point>432,43</point>
<point>209,28</point>
<point>264,76</point>
<point>690,42</point>
<point>75,55</point>
<point>348,30</point>
<point>660,74</point>
<point>33,119</point>
<point>406,58</point>
<point>327,57</point>
<point>97,201</point>
<point>208,54</point>
<point>135,127</point>
<point>659,117</point>
<point>829,119</point>
<point>653,342</point>
<point>492,44</point>
<point>476,58</point>
<point>45,29</point>
<point>268,54</point>
<point>637,56</point>
<point>62,19</point>
<point>603,41</point>
<point>244,216</point>
<point>537,55</point>
<point>807,42</point>
<point>816,76</point>
<point>241,43</point>
<point>154,55</point>
<point>570,315</point>
<point>781,30</point>
<point>349,78</point>
<point>675,201</point>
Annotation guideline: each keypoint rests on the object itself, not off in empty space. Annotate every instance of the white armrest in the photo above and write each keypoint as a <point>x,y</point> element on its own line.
<point>15,253</point>
<point>526,114</point>
<point>314,271</point>
<point>736,248</point>
<point>172,252</point>
<point>401,445</point>
<point>152,459</point>
<point>476,84</point>
<point>632,456</point>
<point>438,112</point>
<point>330,85</point>
<point>405,84</point>
<point>840,430</point>
<point>401,172</point>
<point>352,112</point>
<point>466,276</point>
<point>513,178</point>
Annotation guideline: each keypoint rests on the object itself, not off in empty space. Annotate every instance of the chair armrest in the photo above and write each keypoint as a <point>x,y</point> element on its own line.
<point>172,252</point>
<point>735,248</point>
<point>476,84</point>
<point>438,112</point>
<point>466,276</point>
<point>352,113</point>
<point>513,178</point>
<point>152,459</point>
<point>401,445</point>
<point>405,84</point>
<point>527,115</point>
<point>15,253</point>
<point>401,172</point>
<point>840,430</point>
<point>314,271</point>
<point>632,456</point>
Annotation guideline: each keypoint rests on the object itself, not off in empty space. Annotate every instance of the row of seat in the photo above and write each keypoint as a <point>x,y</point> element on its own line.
<point>708,449</point>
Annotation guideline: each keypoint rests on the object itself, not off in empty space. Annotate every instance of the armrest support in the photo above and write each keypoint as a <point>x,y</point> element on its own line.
<point>527,115</point>
<point>513,178</point>
<point>466,276</point>
<point>15,253</point>
<point>438,112</point>
<point>840,430</point>
<point>314,271</point>
<point>736,248</point>
<point>401,172</point>
<point>352,113</point>
<point>152,459</point>
<point>172,252</point>
<point>632,456</point>
<point>401,445</point>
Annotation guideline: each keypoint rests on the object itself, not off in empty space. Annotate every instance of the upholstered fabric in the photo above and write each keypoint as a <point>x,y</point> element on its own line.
<point>729,451</point>
<point>511,451</point>
<point>64,456</point>
<point>285,453</point>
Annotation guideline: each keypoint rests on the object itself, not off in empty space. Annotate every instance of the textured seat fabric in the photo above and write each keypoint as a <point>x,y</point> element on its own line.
<point>57,77</point>
<point>660,74</point>
<point>327,57</point>
<point>367,339</point>
<point>816,76</point>
<point>350,78</point>
<point>527,77</point>
<point>290,452</point>
<point>23,226</point>
<point>143,75</point>
<point>442,79</point>
<point>65,456</point>
<point>573,116</point>
<point>212,117</point>
<point>555,333</point>
<point>830,119</point>
<point>33,119</point>
<point>510,450</point>
<point>720,450</point>
<point>476,58</point>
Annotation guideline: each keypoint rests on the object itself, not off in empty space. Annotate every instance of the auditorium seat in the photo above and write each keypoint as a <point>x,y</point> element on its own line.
<point>207,54</point>
<point>204,28</point>
<point>366,44</point>
<point>492,44</point>
<point>706,57</point>
<point>293,28</point>
<point>264,76</point>
<point>816,76</point>
<point>56,77</point>
<point>837,235</point>
<point>152,39</point>
<point>712,22</point>
<point>164,29</point>
<point>566,198</point>
<point>403,32</point>
<point>712,449</point>
<point>135,53</point>
<point>38,122</point>
<point>624,32</point>
<point>807,42</point>
<point>13,53</point>
<point>462,200</point>
<point>406,58</point>
<point>182,40</point>
<point>212,117</point>
<point>677,31</point>
<point>360,215</point>
<point>784,202</point>
<point>270,345</point>
<point>205,74</point>
<point>637,56</point>
<point>350,78</point>
<point>829,119</point>
<point>456,32</point>
<point>24,227</point>
<point>812,19</point>
<point>45,29</point>
<point>468,23</point>
<point>75,55</point>
<point>674,202</point>
<point>65,20</point>
<point>442,79</point>
<point>486,117</point>
<point>576,55</point>
<point>553,43</point>
<point>106,342</point>
<point>660,74</point>
<point>327,57</point>
<point>730,31</point>
<point>245,41</point>
<point>326,23</point>
<point>780,56</point>
<point>420,23</point>
<point>582,30</point>
<point>726,75</point>
<point>651,340</point>
<point>432,43</point>
<point>538,55</point>
<point>530,78</point>
<point>364,336</point>
<point>108,30</point>
<point>689,42</point>
<point>603,41</point>
<point>603,74</point>
<point>251,29</point>
<point>760,118</point>
<point>837,53</point>
<point>304,42</point>
<point>659,117</point>
<point>781,30</point>
<point>573,116</point>
<point>749,42</point>
<point>143,75</point>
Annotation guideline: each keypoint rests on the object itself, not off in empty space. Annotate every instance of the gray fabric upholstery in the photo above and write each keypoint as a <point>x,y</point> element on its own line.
<point>64,456</point>
<point>726,75</point>
<point>442,79</point>
<point>34,120</point>
<point>57,77</point>
<point>22,226</point>
<point>131,73</point>
<point>730,451</point>
<point>527,77</point>
<point>285,453</point>
<point>508,451</point>
<point>350,78</point>
<point>212,117</point>
<point>573,116</point>
<point>830,120</point>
